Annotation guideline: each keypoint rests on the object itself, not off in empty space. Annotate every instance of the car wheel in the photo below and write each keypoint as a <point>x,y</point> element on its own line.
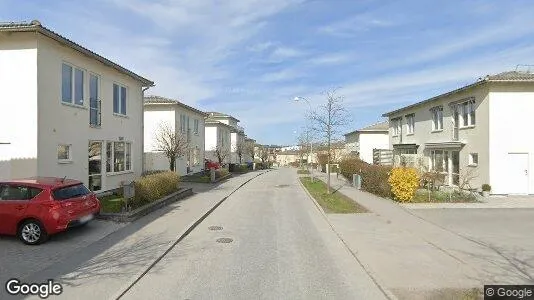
<point>32,232</point>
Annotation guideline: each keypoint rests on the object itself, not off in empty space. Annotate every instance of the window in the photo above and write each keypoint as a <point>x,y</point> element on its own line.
<point>72,84</point>
<point>63,153</point>
<point>410,123</point>
<point>18,192</point>
<point>196,156</point>
<point>396,124</point>
<point>437,118</point>
<point>439,160</point>
<point>467,113</point>
<point>119,99</point>
<point>69,192</point>
<point>119,156</point>
<point>195,126</point>
<point>182,123</point>
<point>473,159</point>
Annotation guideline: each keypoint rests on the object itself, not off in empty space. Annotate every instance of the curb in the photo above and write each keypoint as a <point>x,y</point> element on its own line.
<point>373,277</point>
<point>182,236</point>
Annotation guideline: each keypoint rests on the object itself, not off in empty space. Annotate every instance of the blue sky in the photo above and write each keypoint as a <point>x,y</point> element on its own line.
<point>250,58</point>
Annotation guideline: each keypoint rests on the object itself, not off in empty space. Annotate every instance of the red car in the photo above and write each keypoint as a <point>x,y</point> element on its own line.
<point>35,208</point>
<point>209,164</point>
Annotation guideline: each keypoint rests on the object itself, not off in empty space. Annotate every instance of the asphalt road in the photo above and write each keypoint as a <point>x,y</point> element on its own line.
<point>280,247</point>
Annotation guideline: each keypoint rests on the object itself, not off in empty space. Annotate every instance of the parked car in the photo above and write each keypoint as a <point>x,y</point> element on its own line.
<point>209,164</point>
<point>35,208</point>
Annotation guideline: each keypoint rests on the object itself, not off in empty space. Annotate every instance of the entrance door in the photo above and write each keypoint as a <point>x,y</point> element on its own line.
<point>95,165</point>
<point>455,157</point>
<point>517,174</point>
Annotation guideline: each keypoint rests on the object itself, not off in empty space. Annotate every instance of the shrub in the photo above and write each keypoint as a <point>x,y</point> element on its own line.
<point>431,180</point>
<point>486,187</point>
<point>374,177</point>
<point>404,183</point>
<point>146,173</point>
<point>155,186</point>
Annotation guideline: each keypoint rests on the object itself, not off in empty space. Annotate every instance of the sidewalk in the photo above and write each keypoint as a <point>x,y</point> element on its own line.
<point>413,257</point>
<point>106,269</point>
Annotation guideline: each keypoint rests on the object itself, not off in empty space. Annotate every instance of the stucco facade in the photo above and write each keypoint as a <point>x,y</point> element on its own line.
<point>218,136</point>
<point>481,131</point>
<point>363,141</point>
<point>160,111</point>
<point>68,126</point>
<point>237,135</point>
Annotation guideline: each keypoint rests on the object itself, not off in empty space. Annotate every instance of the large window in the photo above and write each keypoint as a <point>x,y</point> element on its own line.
<point>72,84</point>
<point>440,160</point>
<point>410,123</point>
<point>119,156</point>
<point>467,113</point>
<point>437,118</point>
<point>396,125</point>
<point>182,123</point>
<point>119,99</point>
<point>195,126</point>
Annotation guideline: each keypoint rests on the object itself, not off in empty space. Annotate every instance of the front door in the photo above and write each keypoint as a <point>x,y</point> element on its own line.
<point>455,157</point>
<point>95,165</point>
<point>517,173</point>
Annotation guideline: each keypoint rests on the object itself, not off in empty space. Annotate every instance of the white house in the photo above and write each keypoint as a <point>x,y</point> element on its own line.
<point>237,135</point>
<point>363,141</point>
<point>249,142</point>
<point>218,138</point>
<point>186,121</point>
<point>479,131</point>
<point>67,111</point>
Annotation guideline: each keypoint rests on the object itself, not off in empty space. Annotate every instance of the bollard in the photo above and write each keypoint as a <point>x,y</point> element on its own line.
<point>212,175</point>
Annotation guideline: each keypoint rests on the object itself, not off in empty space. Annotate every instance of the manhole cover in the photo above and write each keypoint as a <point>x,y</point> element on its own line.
<point>215,228</point>
<point>224,240</point>
<point>281,185</point>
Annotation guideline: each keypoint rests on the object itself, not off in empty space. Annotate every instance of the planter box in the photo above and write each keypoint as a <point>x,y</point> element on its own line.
<point>146,209</point>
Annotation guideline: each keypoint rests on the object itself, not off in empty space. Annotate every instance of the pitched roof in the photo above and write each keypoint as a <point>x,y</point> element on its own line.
<point>509,76</point>
<point>218,115</point>
<point>35,26</point>
<point>154,100</point>
<point>377,127</point>
<point>211,122</point>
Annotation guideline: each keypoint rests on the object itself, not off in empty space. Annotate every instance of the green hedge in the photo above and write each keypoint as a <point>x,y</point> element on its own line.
<point>374,177</point>
<point>155,186</point>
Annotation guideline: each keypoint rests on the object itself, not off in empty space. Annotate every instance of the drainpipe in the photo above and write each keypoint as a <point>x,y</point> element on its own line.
<point>143,129</point>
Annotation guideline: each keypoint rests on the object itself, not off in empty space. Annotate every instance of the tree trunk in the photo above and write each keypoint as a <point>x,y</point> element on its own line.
<point>172,163</point>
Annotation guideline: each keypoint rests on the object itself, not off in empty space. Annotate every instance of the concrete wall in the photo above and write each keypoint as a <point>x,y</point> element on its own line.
<point>18,108</point>
<point>510,114</point>
<point>62,123</point>
<point>370,141</point>
<point>475,138</point>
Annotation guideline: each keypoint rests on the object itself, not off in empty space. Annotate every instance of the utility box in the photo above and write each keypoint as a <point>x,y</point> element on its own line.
<point>212,175</point>
<point>128,190</point>
<point>357,181</point>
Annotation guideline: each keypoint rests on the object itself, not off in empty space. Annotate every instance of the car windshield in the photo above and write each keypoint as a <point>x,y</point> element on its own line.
<point>72,191</point>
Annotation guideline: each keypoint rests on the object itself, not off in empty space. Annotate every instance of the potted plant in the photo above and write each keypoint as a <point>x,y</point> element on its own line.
<point>486,188</point>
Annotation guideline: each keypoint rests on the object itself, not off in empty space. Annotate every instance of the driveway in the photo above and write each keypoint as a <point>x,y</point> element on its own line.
<point>18,260</point>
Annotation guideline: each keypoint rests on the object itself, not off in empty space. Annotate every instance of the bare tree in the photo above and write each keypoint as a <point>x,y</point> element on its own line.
<point>263,153</point>
<point>239,149</point>
<point>221,153</point>
<point>174,144</point>
<point>250,149</point>
<point>329,120</point>
<point>303,145</point>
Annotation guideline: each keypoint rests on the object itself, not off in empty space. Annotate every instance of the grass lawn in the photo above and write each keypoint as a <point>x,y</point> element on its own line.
<point>421,196</point>
<point>335,203</point>
<point>199,177</point>
<point>111,203</point>
<point>303,172</point>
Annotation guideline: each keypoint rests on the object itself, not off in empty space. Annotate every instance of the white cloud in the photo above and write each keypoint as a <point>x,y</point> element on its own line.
<point>332,59</point>
<point>282,75</point>
<point>349,27</point>
<point>282,53</point>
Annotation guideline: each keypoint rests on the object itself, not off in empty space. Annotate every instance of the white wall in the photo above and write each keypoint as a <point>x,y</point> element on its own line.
<point>18,106</point>
<point>211,137</point>
<point>61,123</point>
<point>510,114</point>
<point>154,116</point>
<point>370,141</point>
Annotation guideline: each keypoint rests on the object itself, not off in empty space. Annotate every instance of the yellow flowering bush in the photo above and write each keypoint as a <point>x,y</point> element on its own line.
<point>404,183</point>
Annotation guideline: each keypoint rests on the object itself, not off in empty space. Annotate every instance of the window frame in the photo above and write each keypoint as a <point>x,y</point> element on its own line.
<point>437,118</point>
<point>110,158</point>
<point>444,162</point>
<point>69,154</point>
<point>120,107</point>
<point>467,109</point>
<point>396,125</point>
<point>472,162</point>
<point>196,126</point>
<point>410,120</point>
<point>73,71</point>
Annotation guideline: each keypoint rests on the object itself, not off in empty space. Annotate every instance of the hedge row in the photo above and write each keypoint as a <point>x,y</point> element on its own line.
<point>374,177</point>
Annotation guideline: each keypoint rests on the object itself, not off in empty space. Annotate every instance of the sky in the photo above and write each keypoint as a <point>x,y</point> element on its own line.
<point>251,58</point>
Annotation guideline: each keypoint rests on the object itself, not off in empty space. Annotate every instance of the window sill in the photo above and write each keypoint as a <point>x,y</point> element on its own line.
<point>395,135</point>
<point>74,105</point>
<point>66,161</point>
<point>467,127</point>
<point>121,115</point>
<point>436,131</point>
<point>119,173</point>
<point>408,134</point>
<point>95,126</point>
<point>472,165</point>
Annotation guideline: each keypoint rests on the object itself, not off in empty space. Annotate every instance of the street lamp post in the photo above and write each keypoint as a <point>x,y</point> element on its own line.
<point>297,99</point>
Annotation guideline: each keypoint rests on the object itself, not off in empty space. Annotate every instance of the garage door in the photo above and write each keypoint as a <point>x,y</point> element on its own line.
<point>518,173</point>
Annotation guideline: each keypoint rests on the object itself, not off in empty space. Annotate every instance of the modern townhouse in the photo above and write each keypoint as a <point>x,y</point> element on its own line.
<point>237,135</point>
<point>479,131</point>
<point>186,122</point>
<point>67,111</point>
<point>218,140</point>
<point>366,141</point>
